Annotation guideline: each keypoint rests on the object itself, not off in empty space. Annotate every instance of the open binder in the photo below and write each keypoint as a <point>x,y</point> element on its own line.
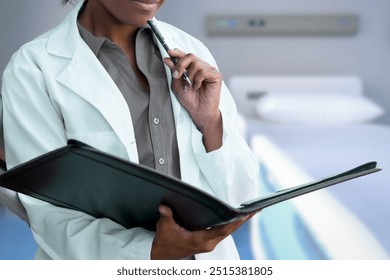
<point>82,178</point>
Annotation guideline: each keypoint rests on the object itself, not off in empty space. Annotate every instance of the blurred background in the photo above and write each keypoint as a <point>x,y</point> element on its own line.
<point>280,58</point>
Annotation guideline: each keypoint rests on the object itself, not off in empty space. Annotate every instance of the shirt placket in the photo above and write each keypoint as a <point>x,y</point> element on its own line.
<point>145,60</point>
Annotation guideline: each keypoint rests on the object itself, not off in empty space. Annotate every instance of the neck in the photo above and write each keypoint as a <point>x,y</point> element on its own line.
<point>100,22</point>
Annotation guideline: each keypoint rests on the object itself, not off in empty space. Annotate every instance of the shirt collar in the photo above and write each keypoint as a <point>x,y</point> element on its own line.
<point>96,43</point>
<point>93,42</point>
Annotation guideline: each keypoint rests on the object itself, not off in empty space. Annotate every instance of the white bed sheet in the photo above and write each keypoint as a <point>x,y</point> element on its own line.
<point>326,150</point>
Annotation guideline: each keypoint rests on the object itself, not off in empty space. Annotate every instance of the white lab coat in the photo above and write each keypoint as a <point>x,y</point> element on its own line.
<point>55,89</point>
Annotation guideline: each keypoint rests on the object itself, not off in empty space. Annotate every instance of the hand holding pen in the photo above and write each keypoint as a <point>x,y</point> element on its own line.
<point>200,98</point>
<point>161,39</point>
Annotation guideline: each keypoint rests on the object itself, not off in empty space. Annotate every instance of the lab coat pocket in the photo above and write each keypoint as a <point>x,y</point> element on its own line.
<point>107,141</point>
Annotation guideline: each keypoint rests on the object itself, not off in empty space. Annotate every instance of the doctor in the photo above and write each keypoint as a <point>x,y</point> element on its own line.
<point>101,77</point>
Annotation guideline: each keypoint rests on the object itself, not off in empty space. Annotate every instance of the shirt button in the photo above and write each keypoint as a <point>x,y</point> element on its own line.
<point>161,161</point>
<point>156,121</point>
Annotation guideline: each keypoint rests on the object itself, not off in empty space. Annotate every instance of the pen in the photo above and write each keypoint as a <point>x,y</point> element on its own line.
<point>165,46</point>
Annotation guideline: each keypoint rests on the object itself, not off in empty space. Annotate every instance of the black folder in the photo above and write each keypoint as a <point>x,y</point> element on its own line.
<point>82,178</point>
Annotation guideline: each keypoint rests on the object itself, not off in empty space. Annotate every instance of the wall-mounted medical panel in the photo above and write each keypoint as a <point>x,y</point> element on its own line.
<point>283,25</point>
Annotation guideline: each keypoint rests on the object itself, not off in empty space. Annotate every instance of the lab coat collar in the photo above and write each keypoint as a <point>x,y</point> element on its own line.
<point>95,86</point>
<point>66,33</point>
<point>64,40</point>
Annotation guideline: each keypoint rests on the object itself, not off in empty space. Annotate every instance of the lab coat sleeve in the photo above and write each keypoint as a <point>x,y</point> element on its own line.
<point>33,126</point>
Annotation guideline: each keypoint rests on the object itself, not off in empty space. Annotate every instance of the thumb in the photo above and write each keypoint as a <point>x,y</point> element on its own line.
<point>168,62</point>
<point>165,212</point>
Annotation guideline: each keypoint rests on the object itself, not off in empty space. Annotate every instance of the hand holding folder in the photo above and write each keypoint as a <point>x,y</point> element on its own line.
<point>82,178</point>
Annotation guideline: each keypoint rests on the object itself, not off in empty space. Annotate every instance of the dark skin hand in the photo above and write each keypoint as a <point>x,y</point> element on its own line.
<point>202,98</point>
<point>174,242</point>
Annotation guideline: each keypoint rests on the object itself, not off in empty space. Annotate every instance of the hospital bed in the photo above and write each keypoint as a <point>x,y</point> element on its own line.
<point>306,128</point>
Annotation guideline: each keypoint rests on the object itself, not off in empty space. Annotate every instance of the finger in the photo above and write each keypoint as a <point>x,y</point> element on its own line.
<point>176,53</point>
<point>165,211</point>
<point>168,62</point>
<point>183,62</point>
<point>200,76</point>
<point>171,65</point>
<point>176,69</point>
<point>222,231</point>
<point>209,75</point>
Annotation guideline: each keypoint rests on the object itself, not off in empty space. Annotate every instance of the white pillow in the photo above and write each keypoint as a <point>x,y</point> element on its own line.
<point>327,108</point>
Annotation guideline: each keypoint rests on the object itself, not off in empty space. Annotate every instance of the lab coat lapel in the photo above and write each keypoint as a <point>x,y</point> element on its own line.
<point>100,91</point>
<point>85,76</point>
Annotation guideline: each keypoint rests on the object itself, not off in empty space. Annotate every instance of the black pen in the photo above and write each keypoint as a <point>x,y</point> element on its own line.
<point>165,46</point>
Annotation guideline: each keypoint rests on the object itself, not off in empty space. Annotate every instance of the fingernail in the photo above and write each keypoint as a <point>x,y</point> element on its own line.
<point>186,88</point>
<point>175,74</point>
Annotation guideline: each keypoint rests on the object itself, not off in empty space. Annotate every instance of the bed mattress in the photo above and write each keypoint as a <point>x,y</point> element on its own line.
<point>320,151</point>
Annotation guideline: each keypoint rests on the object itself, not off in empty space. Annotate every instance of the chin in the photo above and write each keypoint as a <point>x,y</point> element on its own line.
<point>137,22</point>
<point>132,12</point>
<point>139,16</point>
